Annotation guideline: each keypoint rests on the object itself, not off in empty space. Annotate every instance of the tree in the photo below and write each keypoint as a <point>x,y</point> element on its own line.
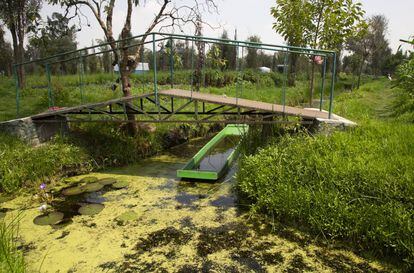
<point>252,56</point>
<point>55,37</point>
<point>171,12</point>
<point>6,53</point>
<point>360,45</point>
<point>380,49</point>
<point>228,53</point>
<point>201,53</point>
<point>291,21</point>
<point>392,62</point>
<point>19,16</point>
<point>318,24</point>
<point>106,56</point>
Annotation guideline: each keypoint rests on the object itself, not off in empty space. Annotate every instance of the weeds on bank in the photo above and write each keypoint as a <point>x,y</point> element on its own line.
<point>355,185</point>
<point>11,259</point>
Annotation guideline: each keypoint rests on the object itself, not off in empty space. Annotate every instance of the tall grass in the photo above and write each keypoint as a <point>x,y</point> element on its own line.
<point>355,185</point>
<point>25,166</point>
<point>11,259</point>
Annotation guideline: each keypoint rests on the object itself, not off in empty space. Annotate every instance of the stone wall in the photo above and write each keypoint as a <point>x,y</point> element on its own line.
<point>34,132</point>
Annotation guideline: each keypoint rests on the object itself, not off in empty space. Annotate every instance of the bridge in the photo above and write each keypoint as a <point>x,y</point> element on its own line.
<point>167,103</point>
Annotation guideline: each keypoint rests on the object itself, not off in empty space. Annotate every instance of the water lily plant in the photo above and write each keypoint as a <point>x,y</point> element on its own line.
<point>45,198</point>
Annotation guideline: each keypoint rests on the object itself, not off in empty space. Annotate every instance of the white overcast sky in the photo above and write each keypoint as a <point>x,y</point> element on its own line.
<point>249,17</point>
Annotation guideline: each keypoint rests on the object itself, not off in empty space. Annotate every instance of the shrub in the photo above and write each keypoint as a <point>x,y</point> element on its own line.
<point>404,103</point>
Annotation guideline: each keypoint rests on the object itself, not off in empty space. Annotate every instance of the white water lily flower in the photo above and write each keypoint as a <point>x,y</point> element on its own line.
<point>43,208</point>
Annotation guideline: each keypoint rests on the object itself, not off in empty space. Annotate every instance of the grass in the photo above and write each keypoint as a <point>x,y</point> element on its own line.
<point>355,185</point>
<point>25,166</point>
<point>11,259</point>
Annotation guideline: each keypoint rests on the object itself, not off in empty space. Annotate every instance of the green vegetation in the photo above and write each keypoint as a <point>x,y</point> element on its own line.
<point>25,166</point>
<point>11,259</point>
<point>403,107</point>
<point>355,185</point>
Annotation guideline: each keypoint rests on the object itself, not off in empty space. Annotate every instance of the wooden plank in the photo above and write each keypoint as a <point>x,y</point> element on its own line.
<point>244,103</point>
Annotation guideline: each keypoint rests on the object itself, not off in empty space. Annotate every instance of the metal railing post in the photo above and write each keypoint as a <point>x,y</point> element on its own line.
<point>323,84</point>
<point>81,74</point>
<point>331,95</point>
<point>17,83</point>
<point>238,74</point>
<point>49,85</point>
<point>154,59</point>
<point>171,63</point>
<point>285,75</point>
<point>192,67</point>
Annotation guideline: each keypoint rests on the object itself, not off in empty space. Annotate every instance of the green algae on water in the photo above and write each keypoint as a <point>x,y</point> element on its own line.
<point>127,217</point>
<point>107,181</point>
<point>51,218</point>
<point>91,209</point>
<point>120,185</point>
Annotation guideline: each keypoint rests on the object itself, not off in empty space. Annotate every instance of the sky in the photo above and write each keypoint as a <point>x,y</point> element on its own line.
<point>249,17</point>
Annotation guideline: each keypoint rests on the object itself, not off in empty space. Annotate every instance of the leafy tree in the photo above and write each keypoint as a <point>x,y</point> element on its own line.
<point>105,57</point>
<point>214,57</point>
<point>380,49</point>
<point>317,23</point>
<point>54,38</point>
<point>173,13</point>
<point>360,45</point>
<point>292,19</point>
<point>19,16</point>
<point>252,55</point>
<point>228,53</point>
<point>392,62</point>
<point>92,62</point>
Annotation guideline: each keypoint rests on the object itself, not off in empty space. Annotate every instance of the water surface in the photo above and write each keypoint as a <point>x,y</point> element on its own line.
<point>160,224</point>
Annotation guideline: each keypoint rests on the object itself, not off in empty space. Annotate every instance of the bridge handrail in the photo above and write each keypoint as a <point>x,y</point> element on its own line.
<point>273,47</point>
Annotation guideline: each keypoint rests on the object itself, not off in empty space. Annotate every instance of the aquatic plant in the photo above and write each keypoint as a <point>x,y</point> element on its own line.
<point>45,198</point>
<point>11,259</point>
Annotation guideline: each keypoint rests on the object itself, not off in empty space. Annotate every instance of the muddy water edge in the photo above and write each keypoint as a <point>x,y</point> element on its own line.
<point>140,218</point>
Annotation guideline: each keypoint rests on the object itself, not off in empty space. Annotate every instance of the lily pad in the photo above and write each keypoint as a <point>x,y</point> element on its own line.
<point>73,191</point>
<point>120,184</point>
<point>51,218</point>
<point>91,209</point>
<point>89,179</point>
<point>126,217</point>
<point>92,187</point>
<point>107,181</point>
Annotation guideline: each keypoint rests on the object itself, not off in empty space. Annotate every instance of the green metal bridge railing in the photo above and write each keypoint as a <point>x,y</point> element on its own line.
<point>155,37</point>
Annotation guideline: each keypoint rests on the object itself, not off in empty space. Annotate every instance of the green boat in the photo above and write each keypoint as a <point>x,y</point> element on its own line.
<point>192,169</point>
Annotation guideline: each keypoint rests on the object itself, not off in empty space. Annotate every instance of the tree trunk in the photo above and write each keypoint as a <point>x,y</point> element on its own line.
<point>126,89</point>
<point>292,70</point>
<point>17,56</point>
<point>360,72</point>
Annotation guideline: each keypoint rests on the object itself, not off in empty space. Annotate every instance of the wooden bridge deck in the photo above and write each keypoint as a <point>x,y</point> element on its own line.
<point>196,96</point>
<point>244,103</point>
